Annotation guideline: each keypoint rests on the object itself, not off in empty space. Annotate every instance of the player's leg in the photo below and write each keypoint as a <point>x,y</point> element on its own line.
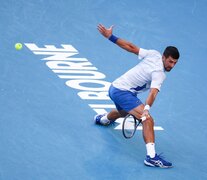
<point>108,118</point>
<point>152,159</point>
<point>148,129</point>
<point>148,124</point>
<point>115,114</point>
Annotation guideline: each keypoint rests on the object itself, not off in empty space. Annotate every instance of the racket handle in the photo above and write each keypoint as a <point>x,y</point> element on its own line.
<point>143,118</point>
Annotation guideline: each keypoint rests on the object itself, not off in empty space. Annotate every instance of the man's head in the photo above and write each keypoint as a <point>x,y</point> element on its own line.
<point>170,57</point>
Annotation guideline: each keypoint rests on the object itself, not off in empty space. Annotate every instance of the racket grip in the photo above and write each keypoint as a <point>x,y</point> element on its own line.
<point>143,118</point>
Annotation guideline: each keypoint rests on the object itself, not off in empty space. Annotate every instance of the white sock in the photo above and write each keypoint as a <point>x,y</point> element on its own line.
<point>104,120</point>
<point>150,149</point>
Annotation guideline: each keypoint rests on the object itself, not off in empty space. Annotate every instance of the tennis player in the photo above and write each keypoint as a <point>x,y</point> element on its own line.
<point>148,74</point>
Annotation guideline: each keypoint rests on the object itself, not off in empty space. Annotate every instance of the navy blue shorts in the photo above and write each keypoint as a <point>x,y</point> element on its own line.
<point>124,100</point>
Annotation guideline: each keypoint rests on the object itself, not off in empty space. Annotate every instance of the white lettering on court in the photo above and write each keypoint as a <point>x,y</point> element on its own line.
<point>79,74</point>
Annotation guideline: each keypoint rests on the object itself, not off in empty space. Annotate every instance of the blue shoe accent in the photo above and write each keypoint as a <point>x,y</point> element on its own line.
<point>157,161</point>
<point>97,120</point>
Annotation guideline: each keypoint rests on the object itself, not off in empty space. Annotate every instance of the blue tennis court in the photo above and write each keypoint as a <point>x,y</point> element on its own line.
<point>53,87</point>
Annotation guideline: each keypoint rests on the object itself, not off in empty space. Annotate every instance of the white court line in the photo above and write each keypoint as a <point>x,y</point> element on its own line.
<point>120,121</point>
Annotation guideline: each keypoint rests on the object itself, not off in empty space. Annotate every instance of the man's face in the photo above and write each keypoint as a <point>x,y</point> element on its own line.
<point>169,63</point>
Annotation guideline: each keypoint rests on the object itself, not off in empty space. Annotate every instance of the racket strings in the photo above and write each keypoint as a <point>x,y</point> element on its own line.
<point>129,127</point>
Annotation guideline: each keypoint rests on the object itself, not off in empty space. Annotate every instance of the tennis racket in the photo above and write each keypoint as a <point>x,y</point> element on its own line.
<point>130,125</point>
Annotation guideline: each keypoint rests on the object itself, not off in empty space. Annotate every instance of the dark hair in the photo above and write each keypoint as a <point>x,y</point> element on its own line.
<point>171,51</point>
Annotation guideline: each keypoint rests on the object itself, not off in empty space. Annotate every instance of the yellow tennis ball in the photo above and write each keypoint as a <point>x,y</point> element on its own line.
<point>18,46</point>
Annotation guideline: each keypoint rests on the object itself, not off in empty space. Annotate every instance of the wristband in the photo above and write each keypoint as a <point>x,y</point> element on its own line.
<point>147,107</point>
<point>113,38</point>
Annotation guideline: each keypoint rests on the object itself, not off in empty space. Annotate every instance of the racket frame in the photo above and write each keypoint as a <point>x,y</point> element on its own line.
<point>136,124</point>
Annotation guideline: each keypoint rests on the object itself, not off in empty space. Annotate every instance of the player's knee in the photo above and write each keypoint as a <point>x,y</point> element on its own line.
<point>123,113</point>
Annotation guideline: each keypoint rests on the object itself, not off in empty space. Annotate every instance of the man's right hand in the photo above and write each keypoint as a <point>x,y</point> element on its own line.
<point>145,114</point>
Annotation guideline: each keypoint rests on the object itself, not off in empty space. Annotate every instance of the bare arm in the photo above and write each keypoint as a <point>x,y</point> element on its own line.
<point>150,100</point>
<point>128,46</point>
<point>151,96</point>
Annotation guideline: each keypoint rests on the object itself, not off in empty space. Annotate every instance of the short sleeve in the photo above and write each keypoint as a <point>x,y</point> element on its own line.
<point>142,53</point>
<point>157,79</point>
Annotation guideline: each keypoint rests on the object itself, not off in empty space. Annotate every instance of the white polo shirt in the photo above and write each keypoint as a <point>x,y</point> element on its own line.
<point>149,73</point>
